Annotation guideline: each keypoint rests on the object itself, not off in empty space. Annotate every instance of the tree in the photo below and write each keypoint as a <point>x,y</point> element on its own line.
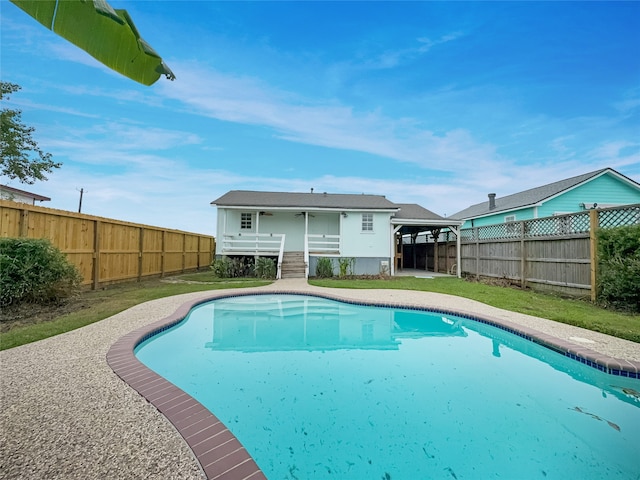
<point>20,155</point>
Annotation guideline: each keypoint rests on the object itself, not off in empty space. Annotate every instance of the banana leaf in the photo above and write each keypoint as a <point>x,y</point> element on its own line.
<point>107,34</point>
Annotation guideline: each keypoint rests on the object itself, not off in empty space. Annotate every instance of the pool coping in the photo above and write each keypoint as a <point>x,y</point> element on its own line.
<point>219,453</point>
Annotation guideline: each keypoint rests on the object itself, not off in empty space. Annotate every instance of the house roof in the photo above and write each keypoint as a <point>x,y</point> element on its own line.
<point>249,198</point>
<point>535,196</point>
<point>413,211</point>
<point>35,196</point>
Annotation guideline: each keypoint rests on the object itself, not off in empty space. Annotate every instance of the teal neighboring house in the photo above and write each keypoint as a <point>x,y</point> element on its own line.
<point>600,189</point>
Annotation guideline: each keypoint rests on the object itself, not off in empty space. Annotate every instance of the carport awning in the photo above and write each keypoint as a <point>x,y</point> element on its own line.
<point>413,219</point>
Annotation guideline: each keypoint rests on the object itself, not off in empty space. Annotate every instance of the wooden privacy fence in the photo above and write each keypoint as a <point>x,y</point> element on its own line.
<point>105,250</point>
<point>557,253</point>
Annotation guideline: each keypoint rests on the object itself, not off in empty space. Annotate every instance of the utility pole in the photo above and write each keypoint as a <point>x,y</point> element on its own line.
<point>80,204</point>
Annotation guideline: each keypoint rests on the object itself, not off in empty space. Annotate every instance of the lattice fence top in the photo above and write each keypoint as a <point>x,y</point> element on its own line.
<point>556,226</point>
<point>615,217</point>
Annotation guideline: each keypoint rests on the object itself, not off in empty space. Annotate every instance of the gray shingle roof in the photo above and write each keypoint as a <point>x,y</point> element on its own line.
<point>531,196</point>
<point>413,211</point>
<point>249,198</point>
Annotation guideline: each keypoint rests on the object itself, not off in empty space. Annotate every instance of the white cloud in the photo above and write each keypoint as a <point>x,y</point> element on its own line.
<point>116,144</point>
<point>245,100</point>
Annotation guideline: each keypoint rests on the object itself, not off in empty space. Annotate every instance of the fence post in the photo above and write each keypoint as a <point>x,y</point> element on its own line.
<point>436,253</point>
<point>594,224</point>
<point>523,258</point>
<point>162,255</point>
<point>24,222</point>
<point>476,233</point>
<point>140,252</point>
<point>199,248</point>
<point>184,251</point>
<point>96,255</point>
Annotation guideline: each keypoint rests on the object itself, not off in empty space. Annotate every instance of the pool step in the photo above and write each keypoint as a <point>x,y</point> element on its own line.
<point>293,265</point>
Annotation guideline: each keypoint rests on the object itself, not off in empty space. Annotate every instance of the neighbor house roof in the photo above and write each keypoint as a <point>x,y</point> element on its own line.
<point>535,196</point>
<point>249,198</point>
<point>16,191</point>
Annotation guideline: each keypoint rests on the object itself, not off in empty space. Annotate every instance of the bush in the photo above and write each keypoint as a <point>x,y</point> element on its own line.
<point>236,267</point>
<point>221,267</point>
<point>324,268</point>
<point>265,268</point>
<point>33,270</point>
<point>619,267</point>
<point>346,266</point>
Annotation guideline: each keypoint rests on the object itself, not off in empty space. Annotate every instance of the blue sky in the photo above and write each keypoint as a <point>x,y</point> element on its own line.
<point>436,103</point>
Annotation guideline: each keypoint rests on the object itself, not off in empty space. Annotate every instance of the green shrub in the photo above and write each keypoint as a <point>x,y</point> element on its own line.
<point>221,267</point>
<point>236,267</point>
<point>265,268</point>
<point>619,267</point>
<point>33,270</point>
<point>346,266</point>
<point>324,268</point>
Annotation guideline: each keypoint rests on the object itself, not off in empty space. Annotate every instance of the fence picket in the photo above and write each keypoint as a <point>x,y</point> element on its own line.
<point>107,250</point>
<point>557,253</point>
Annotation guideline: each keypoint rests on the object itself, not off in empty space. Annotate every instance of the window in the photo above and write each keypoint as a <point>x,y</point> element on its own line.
<point>245,221</point>
<point>512,228</point>
<point>367,222</point>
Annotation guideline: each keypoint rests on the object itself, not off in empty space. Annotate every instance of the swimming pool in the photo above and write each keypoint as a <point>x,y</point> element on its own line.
<point>316,388</point>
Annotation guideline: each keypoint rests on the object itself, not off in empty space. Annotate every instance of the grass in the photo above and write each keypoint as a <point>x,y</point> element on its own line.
<point>92,306</point>
<point>573,312</point>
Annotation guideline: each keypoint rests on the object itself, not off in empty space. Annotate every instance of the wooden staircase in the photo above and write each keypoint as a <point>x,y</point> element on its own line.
<point>293,265</point>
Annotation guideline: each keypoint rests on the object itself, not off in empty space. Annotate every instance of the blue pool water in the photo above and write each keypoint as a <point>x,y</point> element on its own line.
<point>315,388</point>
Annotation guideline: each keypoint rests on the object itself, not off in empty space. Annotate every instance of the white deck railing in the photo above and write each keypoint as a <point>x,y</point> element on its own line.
<point>252,243</point>
<point>329,244</point>
<point>317,243</point>
<point>280,257</point>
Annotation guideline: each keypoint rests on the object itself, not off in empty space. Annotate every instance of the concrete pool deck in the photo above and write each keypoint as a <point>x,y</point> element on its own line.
<point>65,414</point>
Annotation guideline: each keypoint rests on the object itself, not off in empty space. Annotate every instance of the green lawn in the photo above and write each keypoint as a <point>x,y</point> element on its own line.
<point>573,312</point>
<point>92,306</point>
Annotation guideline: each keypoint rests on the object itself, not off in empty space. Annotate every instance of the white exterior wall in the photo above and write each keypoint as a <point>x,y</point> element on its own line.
<point>16,197</point>
<point>356,243</point>
<point>289,224</point>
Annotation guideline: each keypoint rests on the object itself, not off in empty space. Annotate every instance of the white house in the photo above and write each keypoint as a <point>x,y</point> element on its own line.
<point>300,228</point>
<point>20,196</point>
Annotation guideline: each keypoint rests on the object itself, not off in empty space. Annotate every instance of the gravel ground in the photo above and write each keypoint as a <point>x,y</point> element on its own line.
<point>66,415</point>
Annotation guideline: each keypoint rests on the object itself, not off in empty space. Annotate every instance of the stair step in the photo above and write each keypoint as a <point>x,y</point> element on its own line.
<point>293,265</point>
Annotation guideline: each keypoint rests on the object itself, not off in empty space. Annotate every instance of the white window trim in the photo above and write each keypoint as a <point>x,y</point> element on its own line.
<point>244,221</point>
<point>367,222</point>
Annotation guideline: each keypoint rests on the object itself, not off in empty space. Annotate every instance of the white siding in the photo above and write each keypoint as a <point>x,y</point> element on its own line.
<point>16,197</point>
<point>356,243</point>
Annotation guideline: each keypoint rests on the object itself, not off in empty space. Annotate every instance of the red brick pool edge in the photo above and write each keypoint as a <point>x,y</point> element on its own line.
<point>220,454</point>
